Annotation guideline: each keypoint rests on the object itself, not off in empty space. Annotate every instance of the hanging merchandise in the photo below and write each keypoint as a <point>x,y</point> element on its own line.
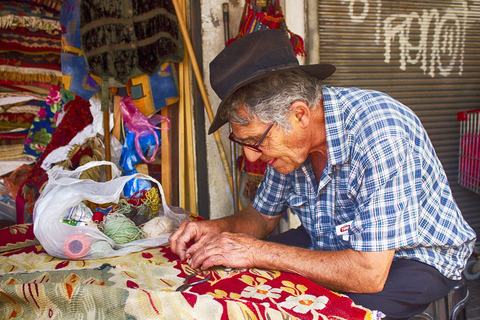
<point>130,157</point>
<point>75,75</point>
<point>271,17</point>
<point>77,117</point>
<point>41,130</point>
<point>142,138</point>
<point>124,38</point>
<point>255,171</point>
<point>152,93</point>
<point>30,46</point>
<point>141,126</point>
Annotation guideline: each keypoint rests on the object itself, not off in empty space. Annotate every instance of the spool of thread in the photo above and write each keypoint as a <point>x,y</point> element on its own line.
<point>76,246</point>
<point>158,226</point>
<point>122,230</point>
<point>100,249</point>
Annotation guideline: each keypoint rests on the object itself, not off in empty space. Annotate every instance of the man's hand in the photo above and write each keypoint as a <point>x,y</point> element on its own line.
<point>198,232</point>
<point>248,221</point>
<point>236,250</point>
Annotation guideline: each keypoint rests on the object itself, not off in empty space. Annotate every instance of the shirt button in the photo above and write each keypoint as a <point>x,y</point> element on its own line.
<point>130,28</point>
<point>133,45</point>
<point>130,11</point>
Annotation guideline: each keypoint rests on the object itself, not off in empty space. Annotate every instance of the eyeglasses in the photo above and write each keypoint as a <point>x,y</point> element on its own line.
<point>256,146</point>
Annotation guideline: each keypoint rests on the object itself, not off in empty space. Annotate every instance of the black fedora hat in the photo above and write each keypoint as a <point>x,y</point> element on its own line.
<point>253,57</point>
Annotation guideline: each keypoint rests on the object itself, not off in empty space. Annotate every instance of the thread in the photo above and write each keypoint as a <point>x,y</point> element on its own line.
<point>76,246</point>
<point>94,172</point>
<point>158,226</point>
<point>122,230</point>
<point>139,219</point>
<point>100,249</point>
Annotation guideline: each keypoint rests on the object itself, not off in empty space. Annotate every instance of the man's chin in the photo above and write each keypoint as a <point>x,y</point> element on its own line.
<point>286,169</point>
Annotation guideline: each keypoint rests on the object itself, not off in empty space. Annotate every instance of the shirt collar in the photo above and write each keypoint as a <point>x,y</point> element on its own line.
<point>338,151</point>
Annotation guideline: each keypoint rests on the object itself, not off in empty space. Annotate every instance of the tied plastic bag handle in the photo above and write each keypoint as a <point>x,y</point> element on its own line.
<point>63,191</point>
<point>59,176</point>
<point>137,123</point>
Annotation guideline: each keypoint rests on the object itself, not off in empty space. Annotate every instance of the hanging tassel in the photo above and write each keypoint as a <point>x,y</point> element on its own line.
<point>253,21</point>
<point>298,45</point>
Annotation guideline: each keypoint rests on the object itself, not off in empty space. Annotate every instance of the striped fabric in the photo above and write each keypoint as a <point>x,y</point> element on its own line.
<point>30,46</point>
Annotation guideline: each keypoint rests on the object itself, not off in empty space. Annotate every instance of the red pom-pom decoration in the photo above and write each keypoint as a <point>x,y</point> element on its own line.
<point>97,216</point>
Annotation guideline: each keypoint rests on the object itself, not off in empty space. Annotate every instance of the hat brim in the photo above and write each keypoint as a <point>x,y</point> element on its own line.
<point>320,71</point>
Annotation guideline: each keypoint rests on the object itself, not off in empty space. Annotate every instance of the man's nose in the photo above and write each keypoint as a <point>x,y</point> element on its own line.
<point>251,155</point>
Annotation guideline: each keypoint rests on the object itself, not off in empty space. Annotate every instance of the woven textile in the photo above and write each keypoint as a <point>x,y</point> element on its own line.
<point>142,285</point>
<point>43,125</point>
<point>77,117</point>
<point>30,46</point>
<point>271,18</point>
<point>152,93</point>
<point>75,75</point>
<point>122,39</point>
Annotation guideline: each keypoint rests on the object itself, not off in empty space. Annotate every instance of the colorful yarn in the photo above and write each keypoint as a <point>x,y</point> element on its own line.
<point>122,230</point>
<point>123,207</point>
<point>100,248</point>
<point>139,219</point>
<point>129,210</point>
<point>158,226</point>
<point>98,216</point>
<point>152,200</point>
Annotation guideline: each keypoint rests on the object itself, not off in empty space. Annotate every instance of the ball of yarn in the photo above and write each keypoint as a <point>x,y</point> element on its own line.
<point>97,216</point>
<point>139,219</point>
<point>158,226</point>
<point>100,248</point>
<point>122,230</point>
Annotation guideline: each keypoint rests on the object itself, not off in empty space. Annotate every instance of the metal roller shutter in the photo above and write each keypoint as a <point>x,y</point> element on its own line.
<point>425,54</point>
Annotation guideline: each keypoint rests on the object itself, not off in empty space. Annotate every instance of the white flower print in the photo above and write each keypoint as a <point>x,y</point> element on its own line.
<point>261,292</point>
<point>305,303</point>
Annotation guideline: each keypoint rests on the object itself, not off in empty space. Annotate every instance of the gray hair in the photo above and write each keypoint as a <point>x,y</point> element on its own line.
<point>268,99</point>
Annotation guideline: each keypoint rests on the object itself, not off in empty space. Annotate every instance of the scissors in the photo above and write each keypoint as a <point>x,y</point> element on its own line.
<point>187,285</point>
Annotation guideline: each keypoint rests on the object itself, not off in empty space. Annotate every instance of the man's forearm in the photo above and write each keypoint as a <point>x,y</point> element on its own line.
<point>344,271</point>
<point>248,221</point>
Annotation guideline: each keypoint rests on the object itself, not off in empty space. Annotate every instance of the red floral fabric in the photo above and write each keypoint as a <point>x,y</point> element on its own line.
<point>143,285</point>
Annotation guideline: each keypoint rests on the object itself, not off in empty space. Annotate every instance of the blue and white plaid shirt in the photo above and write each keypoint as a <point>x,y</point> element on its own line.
<point>384,177</point>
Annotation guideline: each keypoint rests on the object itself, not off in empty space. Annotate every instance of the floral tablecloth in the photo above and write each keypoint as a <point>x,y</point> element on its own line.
<point>34,285</point>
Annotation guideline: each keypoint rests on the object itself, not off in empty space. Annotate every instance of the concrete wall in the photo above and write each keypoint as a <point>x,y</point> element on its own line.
<point>221,200</point>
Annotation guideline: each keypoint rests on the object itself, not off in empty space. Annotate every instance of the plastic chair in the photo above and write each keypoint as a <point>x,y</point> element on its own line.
<point>451,307</point>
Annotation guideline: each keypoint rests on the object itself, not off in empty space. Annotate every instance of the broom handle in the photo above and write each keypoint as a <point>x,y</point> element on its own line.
<point>203,92</point>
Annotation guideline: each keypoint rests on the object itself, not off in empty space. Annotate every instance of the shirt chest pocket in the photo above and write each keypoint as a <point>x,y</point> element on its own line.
<point>297,203</point>
<point>296,200</point>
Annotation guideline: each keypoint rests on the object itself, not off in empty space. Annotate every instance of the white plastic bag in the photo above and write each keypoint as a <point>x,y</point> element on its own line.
<point>64,190</point>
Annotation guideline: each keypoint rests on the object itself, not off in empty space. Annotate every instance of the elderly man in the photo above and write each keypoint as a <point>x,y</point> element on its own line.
<point>379,221</point>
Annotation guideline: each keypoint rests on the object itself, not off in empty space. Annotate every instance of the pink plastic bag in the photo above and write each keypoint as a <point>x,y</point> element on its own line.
<point>140,125</point>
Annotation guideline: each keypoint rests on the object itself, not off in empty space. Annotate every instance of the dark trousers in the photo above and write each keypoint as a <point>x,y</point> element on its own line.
<point>410,287</point>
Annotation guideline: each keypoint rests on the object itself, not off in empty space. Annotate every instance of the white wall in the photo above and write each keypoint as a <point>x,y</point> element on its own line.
<point>221,200</point>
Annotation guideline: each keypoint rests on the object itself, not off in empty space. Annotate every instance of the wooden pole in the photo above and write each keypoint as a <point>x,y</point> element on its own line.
<point>190,158</point>
<point>166,159</point>
<point>203,92</point>
<point>181,135</point>
<point>106,130</point>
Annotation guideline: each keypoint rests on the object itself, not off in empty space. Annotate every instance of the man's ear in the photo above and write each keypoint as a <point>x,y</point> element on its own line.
<point>301,113</point>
